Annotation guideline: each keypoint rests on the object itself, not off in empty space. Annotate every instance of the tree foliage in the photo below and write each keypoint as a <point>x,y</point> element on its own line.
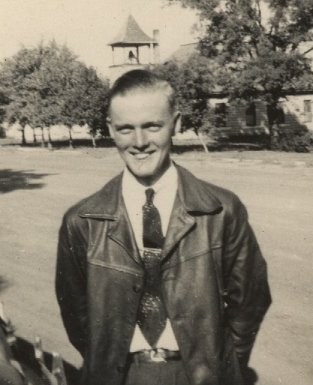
<point>47,85</point>
<point>258,45</point>
<point>3,102</point>
<point>192,82</point>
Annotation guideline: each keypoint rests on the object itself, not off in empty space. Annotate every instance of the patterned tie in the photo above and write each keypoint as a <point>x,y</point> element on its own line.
<point>151,313</point>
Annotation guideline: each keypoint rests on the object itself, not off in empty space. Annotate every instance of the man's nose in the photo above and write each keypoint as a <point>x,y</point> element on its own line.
<point>140,138</point>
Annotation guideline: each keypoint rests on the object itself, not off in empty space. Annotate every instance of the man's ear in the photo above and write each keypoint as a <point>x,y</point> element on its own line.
<point>177,123</point>
<point>109,124</point>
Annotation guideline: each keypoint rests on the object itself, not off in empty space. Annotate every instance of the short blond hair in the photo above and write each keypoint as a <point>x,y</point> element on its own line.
<point>142,80</point>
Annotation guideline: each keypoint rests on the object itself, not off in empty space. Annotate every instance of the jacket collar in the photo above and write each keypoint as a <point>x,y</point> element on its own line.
<point>193,198</point>
<point>105,204</point>
<point>194,195</point>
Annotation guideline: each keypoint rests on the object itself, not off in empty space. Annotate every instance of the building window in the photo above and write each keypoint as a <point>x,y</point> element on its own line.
<point>251,115</point>
<point>307,111</point>
<point>220,115</point>
<point>276,115</point>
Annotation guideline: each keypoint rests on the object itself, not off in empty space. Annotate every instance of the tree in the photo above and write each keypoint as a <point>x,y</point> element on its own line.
<point>258,46</point>
<point>47,85</point>
<point>192,82</point>
<point>14,74</point>
<point>86,100</point>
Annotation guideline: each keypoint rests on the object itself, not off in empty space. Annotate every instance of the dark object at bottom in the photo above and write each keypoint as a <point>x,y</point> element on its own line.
<point>23,352</point>
<point>9,375</point>
<point>250,376</point>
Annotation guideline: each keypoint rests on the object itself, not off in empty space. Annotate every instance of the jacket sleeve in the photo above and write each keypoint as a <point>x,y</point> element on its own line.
<point>245,281</point>
<point>71,284</point>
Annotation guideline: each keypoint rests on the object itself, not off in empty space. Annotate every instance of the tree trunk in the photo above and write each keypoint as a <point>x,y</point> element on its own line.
<point>202,142</point>
<point>43,143</point>
<point>273,126</point>
<point>34,135</point>
<point>23,134</point>
<point>70,141</point>
<point>50,146</point>
<point>270,136</point>
<point>93,139</point>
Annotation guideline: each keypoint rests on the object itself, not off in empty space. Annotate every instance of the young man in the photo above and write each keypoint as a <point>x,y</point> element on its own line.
<point>159,278</point>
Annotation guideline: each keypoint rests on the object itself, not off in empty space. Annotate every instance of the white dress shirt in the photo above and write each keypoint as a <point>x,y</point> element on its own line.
<point>134,198</point>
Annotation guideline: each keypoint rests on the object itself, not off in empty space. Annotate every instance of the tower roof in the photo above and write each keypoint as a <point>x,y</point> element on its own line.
<point>132,34</point>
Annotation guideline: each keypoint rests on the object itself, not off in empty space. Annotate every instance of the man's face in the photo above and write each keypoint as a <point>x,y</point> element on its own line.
<point>142,124</point>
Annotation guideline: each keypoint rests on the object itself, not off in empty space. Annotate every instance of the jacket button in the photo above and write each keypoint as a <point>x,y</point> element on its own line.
<point>120,369</point>
<point>137,288</point>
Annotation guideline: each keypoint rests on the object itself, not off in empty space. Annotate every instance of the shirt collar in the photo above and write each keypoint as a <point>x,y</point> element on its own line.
<point>195,195</point>
<point>167,181</point>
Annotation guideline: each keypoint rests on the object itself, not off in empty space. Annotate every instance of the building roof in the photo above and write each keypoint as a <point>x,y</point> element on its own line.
<point>183,53</point>
<point>131,33</point>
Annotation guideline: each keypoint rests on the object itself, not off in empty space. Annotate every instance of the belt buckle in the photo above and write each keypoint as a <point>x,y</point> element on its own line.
<point>153,353</point>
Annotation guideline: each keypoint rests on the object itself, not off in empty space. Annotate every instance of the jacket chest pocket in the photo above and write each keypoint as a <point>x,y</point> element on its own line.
<point>105,251</point>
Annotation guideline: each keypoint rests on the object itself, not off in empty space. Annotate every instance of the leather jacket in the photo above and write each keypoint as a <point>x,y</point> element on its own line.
<point>214,282</point>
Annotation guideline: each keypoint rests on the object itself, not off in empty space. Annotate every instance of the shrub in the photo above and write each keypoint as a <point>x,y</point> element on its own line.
<point>293,141</point>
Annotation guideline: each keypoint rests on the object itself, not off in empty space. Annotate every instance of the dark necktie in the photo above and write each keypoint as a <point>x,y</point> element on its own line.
<point>151,314</point>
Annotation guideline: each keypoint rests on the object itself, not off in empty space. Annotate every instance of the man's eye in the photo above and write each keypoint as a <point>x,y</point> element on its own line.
<point>124,130</point>
<point>154,128</point>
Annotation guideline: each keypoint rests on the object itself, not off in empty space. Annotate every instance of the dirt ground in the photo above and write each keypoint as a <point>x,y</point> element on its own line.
<point>38,185</point>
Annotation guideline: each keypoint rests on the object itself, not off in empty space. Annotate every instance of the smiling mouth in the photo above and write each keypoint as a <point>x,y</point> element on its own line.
<point>141,155</point>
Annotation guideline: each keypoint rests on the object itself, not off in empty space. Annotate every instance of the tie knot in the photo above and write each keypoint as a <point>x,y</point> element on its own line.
<point>149,196</point>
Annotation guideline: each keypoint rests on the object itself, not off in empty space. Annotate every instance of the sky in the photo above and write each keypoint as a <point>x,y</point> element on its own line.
<point>87,26</point>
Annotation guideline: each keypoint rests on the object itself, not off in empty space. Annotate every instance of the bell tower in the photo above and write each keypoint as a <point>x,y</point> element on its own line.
<point>132,48</point>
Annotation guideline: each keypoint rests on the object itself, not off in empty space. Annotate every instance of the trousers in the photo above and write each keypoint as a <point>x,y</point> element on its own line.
<point>157,373</point>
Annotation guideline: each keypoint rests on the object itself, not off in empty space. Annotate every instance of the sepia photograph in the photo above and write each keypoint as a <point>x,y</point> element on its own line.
<point>156,192</point>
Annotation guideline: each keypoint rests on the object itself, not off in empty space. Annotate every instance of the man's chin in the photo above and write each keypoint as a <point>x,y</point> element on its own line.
<point>146,172</point>
<point>145,177</point>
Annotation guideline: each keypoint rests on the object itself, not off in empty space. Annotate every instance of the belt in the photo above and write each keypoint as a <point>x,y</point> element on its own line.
<point>154,355</point>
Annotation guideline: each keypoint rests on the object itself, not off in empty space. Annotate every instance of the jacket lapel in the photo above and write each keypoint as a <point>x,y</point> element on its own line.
<point>108,204</point>
<point>180,224</point>
<point>121,232</point>
<point>193,197</point>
